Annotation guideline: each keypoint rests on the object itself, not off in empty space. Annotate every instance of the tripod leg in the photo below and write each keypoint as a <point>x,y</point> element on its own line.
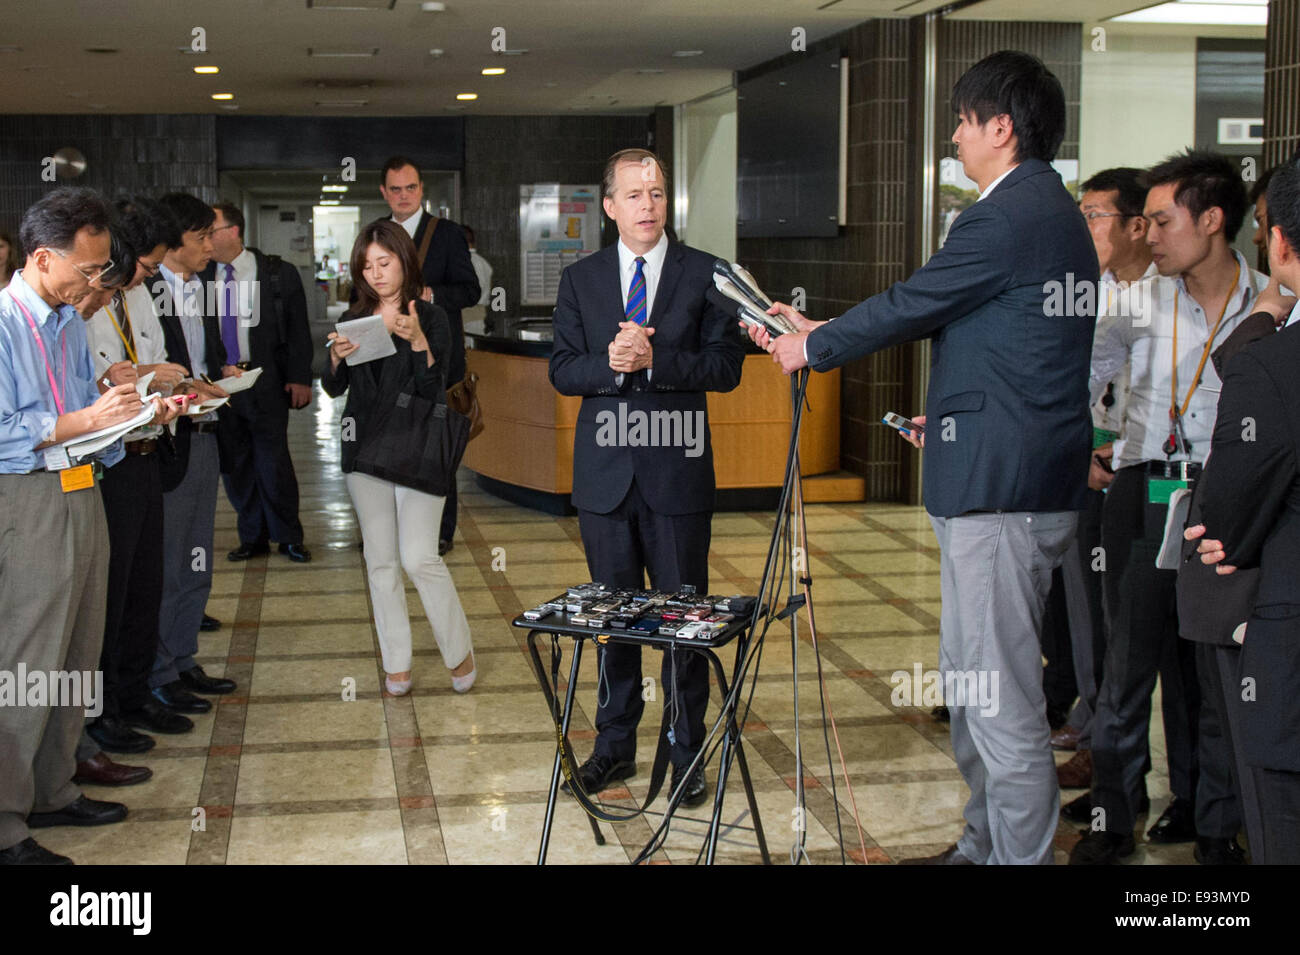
<point>753,803</point>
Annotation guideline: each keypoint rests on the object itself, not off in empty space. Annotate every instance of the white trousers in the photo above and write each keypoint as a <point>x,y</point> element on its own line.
<point>399,527</point>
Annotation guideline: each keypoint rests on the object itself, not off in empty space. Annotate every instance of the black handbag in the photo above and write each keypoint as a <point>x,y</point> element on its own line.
<point>1211,605</point>
<point>416,443</point>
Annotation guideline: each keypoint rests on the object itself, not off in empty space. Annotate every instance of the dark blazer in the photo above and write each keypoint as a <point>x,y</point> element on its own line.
<point>369,385</point>
<point>1007,423</point>
<point>279,344</point>
<point>697,349</point>
<point>450,273</point>
<point>1211,606</point>
<point>174,454</point>
<point>1251,501</point>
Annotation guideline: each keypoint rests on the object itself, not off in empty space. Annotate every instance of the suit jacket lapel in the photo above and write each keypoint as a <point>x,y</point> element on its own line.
<point>611,291</point>
<point>672,271</point>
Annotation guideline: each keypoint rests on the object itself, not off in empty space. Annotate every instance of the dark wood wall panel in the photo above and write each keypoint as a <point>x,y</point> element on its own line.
<point>1282,82</point>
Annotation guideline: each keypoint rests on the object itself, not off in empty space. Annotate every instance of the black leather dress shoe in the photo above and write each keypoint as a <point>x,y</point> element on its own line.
<point>1176,824</point>
<point>1080,809</point>
<point>246,551</point>
<point>82,811</point>
<point>199,682</point>
<point>1102,848</point>
<point>697,787</point>
<point>156,718</point>
<point>296,553</point>
<point>114,735</point>
<point>941,714</point>
<point>444,547</point>
<point>949,856</point>
<point>30,852</point>
<point>209,624</point>
<point>1218,851</point>
<point>600,773</point>
<point>176,698</point>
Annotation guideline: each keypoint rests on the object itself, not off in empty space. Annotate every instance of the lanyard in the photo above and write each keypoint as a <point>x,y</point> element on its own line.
<point>1174,411</point>
<point>49,369</point>
<point>130,350</point>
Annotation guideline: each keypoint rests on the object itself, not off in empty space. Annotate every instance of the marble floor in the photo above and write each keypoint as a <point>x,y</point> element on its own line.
<point>286,770</point>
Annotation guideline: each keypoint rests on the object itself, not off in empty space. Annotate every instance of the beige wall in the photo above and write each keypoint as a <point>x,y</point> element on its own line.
<point>1139,99</point>
<point>706,160</point>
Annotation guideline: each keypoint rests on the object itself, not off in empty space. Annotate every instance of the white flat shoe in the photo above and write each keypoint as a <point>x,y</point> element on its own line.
<point>462,684</point>
<point>398,687</point>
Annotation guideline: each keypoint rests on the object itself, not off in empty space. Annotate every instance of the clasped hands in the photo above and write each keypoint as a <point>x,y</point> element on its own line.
<point>631,349</point>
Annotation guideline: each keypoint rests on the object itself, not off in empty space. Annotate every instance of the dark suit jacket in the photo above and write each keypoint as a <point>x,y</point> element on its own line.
<point>1211,606</point>
<point>1251,501</point>
<point>450,273</point>
<point>174,454</point>
<point>371,384</point>
<point>1007,424</point>
<point>696,349</point>
<point>279,344</point>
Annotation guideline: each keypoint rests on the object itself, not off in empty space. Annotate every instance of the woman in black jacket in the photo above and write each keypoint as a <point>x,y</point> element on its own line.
<point>398,524</point>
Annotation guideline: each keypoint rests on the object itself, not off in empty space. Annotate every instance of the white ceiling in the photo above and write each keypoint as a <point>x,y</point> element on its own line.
<point>583,54</point>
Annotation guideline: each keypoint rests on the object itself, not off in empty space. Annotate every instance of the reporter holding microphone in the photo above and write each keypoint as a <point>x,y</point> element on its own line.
<point>396,520</point>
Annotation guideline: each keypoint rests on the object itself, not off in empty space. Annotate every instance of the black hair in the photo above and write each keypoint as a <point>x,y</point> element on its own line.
<point>123,255</point>
<point>1126,182</point>
<point>1284,200</point>
<point>469,234</point>
<point>54,220</point>
<point>393,163</point>
<point>1261,186</point>
<point>191,213</point>
<point>145,225</point>
<point>1204,180</point>
<point>1019,85</point>
<point>233,216</point>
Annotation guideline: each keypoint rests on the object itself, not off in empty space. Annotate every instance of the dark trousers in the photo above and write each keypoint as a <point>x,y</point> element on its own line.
<point>1219,801</point>
<point>258,472</point>
<point>1059,684</point>
<point>1142,613</point>
<point>133,507</point>
<point>1087,617</point>
<point>1279,804</point>
<point>622,546</point>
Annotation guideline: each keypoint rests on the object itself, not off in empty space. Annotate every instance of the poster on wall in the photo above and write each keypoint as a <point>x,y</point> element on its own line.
<point>958,193</point>
<point>558,225</point>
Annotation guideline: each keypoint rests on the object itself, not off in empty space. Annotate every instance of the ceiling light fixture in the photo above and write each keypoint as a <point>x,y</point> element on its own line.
<point>431,6</point>
<point>334,188</point>
<point>1202,13</point>
<point>207,70</point>
<point>493,70</point>
<point>466,96</point>
<point>223,95</point>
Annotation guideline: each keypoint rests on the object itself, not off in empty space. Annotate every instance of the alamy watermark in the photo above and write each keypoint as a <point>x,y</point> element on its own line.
<point>651,429</point>
<point>951,688</point>
<point>39,688</point>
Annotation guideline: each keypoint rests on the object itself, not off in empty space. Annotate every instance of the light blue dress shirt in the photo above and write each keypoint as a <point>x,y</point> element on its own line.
<point>27,408</point>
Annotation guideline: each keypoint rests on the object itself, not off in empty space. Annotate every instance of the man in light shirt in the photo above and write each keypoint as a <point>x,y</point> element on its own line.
<point>1165,328</point>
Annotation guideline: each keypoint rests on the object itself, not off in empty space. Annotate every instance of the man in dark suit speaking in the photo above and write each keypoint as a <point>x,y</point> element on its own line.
<point>635,337</point>
<point>1006,460</point>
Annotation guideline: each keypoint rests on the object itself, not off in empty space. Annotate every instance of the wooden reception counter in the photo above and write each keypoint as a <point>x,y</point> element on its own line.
<point>525,452</point>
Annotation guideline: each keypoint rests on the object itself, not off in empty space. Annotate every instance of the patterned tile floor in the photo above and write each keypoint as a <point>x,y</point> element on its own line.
<point>287,771</point>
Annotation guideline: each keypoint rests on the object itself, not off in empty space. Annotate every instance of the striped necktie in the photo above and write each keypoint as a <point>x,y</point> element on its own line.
<point>636,310</point>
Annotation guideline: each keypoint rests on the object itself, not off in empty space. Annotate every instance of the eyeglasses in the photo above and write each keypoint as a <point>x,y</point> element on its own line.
<point>82,272</point>
<point>216,229</point>
<point>1103,215</point>
<point>149,270</point>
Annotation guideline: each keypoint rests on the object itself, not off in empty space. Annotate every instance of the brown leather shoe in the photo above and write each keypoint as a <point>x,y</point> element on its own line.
<point>1077,773</point>
<point>949,856</point>
<point>102,771</point>
<point>1067,738</point>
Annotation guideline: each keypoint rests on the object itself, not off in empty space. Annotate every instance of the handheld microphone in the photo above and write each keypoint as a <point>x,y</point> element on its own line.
<point>742,311</point>
<point>757,299</point>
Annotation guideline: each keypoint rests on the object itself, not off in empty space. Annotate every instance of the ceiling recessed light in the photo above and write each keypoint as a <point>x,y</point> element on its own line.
<point>334,188</point>
<point>683,53</point>
<point>435,52</point>
<point>493,70</point>
<point>207,70</point>
<point>1222,13</point>
<point>466,96</point>
<point>328,202</point>
<point>432,6</point>
<point>223,95</point>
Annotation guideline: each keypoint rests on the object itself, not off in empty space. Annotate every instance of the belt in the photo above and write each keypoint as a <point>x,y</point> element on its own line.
<point>205,427</point>
<point>143,446</point>
<point>96,469</point>
<point>1176,470</point>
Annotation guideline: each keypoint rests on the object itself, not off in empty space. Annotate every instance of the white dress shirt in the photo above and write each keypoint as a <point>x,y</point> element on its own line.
<point>410,223</point>
<point>150,348</point>
<point>1138,328</point>
<point>1112,418</point>
<point>650,271</point>
<point>483,269</point>
<point>187,305</point>
<point>994,184</point>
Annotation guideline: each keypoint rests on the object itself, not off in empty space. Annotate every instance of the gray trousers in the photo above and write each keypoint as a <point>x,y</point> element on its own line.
<point>995,574</point>
<point>189,512</point>
<point>53,585</point>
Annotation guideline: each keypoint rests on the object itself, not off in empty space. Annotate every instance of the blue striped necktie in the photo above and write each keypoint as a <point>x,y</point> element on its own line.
<point>636,311</point>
